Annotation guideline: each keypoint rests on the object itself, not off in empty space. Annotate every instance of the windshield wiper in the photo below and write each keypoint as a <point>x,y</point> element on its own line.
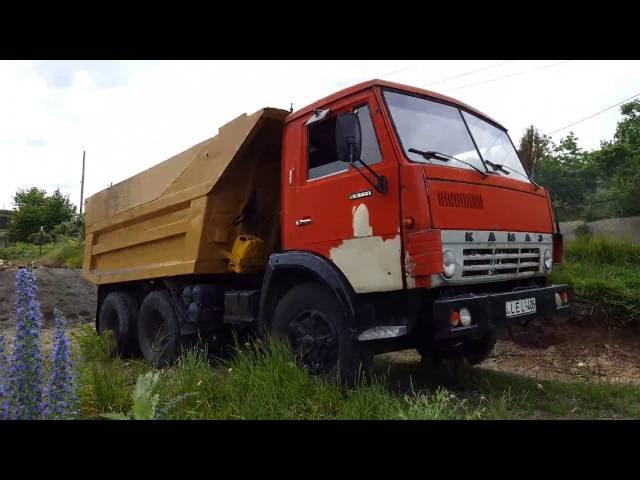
<point>443,157</point>
<point>500,167</point>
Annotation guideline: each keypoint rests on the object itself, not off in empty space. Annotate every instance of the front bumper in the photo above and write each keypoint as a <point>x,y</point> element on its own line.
<point>488,311</point>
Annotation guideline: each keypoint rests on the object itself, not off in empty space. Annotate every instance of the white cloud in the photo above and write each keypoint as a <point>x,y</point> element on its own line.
<point>131,115</point>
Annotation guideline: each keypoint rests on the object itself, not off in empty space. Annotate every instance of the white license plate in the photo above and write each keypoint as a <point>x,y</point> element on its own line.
<point>523,306</point>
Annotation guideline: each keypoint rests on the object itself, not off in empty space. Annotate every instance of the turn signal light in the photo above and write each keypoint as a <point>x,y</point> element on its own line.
<point>562,299</point>
<point>454,318</point>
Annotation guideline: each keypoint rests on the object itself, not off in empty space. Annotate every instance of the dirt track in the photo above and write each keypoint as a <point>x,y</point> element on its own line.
<point>576,348</point>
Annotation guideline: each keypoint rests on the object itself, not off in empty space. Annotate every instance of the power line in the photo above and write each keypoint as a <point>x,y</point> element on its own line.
<point>591,116</point>
<point>509,75</point>
<point>399,70</point>
<point>448,78</point>
<point>469,73</point>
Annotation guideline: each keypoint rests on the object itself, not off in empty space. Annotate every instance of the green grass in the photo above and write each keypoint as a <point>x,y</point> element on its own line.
<point>605,275</point>
<point>263,382</point>
<point>65,252</point>
<point>68,252</point>
<point>22,253</point>
<point>600,250</point>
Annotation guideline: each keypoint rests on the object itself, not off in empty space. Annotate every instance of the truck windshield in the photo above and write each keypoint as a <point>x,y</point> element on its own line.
<point>432,126</point>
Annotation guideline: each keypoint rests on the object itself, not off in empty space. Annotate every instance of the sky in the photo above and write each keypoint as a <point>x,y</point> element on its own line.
<point>130,115</point>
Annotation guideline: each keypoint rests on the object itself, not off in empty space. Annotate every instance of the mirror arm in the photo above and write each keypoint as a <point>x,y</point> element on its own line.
<point>381,185</point>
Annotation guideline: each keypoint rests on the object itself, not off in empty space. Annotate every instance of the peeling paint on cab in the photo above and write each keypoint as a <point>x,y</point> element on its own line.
<point>370,263</point>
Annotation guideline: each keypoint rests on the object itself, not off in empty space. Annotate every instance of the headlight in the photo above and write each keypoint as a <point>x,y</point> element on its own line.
<point>548,260</point>
<point>449,263</point>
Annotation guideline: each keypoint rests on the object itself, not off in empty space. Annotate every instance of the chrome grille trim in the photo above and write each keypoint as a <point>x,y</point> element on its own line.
<point>488,256</point>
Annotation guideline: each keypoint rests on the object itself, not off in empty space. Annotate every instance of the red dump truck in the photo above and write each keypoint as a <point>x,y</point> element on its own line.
<point>380,218</point>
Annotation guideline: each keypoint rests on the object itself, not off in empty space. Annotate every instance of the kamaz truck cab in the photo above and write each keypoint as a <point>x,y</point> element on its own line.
<point>423,205</point>
<point>382,217</point>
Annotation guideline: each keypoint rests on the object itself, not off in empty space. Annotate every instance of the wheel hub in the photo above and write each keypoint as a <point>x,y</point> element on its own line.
<point>314,341</point>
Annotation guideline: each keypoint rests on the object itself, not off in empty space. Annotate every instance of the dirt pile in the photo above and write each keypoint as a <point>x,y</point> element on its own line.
<point>63,288</point>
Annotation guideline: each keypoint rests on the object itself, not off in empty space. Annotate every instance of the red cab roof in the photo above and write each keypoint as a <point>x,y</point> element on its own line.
<point>384,83</point>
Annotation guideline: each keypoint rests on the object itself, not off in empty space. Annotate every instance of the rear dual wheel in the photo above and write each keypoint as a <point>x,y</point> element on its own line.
<point>159,329</point>
<point>152,329</point>
<point>119,315</point>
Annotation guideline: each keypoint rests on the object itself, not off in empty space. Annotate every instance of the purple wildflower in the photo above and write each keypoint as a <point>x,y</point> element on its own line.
<point>25,370</point>
<point>61,388</point>
<point>4,393</point>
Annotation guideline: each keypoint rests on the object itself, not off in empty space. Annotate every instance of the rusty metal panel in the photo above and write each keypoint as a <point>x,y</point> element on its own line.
<point>178,217</point>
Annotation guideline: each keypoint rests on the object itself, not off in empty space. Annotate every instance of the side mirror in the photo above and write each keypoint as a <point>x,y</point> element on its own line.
<point>348,137</point>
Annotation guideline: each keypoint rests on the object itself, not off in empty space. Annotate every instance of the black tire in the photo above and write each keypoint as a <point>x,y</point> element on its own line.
<point>119,314</point>
<point>448,371</point>
<point>159,329</point>
<point>477,351</point>
<point>309,317</point>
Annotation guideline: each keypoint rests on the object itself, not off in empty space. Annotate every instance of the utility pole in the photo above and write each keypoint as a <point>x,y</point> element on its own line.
<point>82,183</point>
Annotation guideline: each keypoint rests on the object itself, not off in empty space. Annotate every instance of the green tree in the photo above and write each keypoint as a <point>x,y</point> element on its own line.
<point>568,172</point>
<point>534,146</point>
<point>618,163</point>
<point>34,208</point>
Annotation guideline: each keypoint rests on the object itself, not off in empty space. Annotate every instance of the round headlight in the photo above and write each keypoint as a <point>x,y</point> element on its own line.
<point>548,259</point>
<point>449,263</point>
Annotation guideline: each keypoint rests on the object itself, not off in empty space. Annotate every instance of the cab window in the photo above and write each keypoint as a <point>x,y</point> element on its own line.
<point>321,151</point>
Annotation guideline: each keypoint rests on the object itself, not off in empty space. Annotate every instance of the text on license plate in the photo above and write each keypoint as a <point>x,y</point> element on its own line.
<point>520,307</point>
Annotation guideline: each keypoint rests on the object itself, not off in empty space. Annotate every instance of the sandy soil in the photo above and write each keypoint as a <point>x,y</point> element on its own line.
<point>578,347</point>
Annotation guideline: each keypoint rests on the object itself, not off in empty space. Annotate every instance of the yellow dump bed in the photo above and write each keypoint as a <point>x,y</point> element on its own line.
<point>185,214</point>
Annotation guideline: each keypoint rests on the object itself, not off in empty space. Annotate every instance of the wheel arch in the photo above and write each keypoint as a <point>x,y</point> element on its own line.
<point>286,269</point>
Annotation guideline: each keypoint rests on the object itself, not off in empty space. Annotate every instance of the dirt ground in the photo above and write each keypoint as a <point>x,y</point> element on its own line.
<point>578,347</point>
<point>57,287</point>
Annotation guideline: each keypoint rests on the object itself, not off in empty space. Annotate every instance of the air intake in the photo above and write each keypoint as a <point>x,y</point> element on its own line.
<point>460,200</point>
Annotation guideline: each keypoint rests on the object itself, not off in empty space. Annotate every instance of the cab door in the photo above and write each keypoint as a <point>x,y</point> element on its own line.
<point>335,212</point>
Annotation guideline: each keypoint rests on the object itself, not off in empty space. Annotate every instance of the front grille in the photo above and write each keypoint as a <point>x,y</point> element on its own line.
<point>484,262</point>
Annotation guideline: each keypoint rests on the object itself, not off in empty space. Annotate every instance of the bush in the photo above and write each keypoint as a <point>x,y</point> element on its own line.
<point>73,228</point>
<point>40,238</point>
<point>24,252</point>
<point>68,252</point>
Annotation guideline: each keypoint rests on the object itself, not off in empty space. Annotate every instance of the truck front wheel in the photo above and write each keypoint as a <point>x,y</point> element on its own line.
<point>118,315</point>
<point>309,317</point>
<point>159,329</point>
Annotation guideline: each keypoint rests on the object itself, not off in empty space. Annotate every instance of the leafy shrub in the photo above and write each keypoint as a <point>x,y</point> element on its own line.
<point>40,238</point>
<point>93,347</point>
<point>144,399</point>
<point>24,252</point>
<point>68,252</point>
<point>73,228</point>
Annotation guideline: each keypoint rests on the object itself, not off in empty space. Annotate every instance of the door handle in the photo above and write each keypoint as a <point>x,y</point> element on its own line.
<point>291,172</point>
<point>303,221</point>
